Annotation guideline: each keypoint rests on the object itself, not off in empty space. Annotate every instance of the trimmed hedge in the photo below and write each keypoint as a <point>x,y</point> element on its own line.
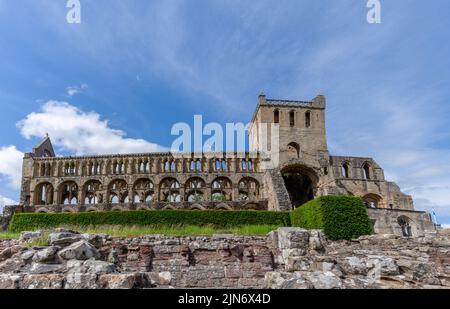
<point>218,218</point>
<point>340,217</point>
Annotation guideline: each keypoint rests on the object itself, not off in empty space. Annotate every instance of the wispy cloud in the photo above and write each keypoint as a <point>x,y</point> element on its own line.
<point>73,90</point>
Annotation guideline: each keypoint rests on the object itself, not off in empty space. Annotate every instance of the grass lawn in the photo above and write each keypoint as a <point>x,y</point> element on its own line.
<point>9,235</point>
<point>189,230</point>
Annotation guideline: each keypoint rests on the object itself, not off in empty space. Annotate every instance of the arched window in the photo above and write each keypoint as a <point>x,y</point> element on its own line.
<point>217,165</point>
<point>92,193</point>
<point>366,171</point>
<point>167,166</point>
<point>170,190</point>
<point>68,193</point>
<point>44,194</point>
<point>405,225</point>
<point>142,189</point>
<point>114,199</point>
<point>221,189</point>
<point>345,170</point>
<point>276,116</point>
<point>198,165</point>
<point>192,166</point>
<point>173,167</point>
<point>292,118</point>
<point>224,165</point>
<point>244,165</point>
<point>308,119</point>
<point>250,165</point>
<point>118,188</point>
<point>248,189</point>
<point>294,150</point>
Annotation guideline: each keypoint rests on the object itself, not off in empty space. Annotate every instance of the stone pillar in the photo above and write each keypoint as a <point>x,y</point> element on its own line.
<point>235,192</point>
<point>55,196</point>
<point>208,194</point>
<point>130,194</point>
<point>80,196</point>
<point>182,193</point>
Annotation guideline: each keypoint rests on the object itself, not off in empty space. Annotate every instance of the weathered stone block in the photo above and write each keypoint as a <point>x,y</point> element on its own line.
<point>39,282</point>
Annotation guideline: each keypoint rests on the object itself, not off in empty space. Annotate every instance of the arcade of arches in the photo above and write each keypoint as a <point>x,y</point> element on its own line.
<point>143,190</point>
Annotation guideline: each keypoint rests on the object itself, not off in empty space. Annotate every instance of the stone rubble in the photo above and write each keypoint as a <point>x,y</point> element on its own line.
<point>288,258</point>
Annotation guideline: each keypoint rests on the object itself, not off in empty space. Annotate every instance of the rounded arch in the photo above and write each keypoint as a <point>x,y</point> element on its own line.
<point>367,171</point>
<point>293,150</point>
<point>92,209</point>
<point>223,206</point>
<point>68,210</point>
<point>345,169</point>
<point>300,182</point>
<point>68,193</point>
<point>221,189</point>
<point>407,226</point>
<point>92,192</point>
<point>373,200</point>
<point>276,116</point>
<point>197,207</point>
<point>143,208</point>
<point>169,207</point>
<point>143,191</point>
<point>169,190</point>
<point>117,191</point>
<point>194,188</point>
<point>292,118</point>
<point>43,210</point>
<point>308,119</point>
<point>43,194</point>
<point>248,189</point>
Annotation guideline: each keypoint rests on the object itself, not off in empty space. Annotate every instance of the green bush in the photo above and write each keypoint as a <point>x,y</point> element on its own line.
<point>340,217</point>
<point>217,218</point>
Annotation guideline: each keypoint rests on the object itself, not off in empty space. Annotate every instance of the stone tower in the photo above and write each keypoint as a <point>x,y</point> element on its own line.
<point>300,126</point>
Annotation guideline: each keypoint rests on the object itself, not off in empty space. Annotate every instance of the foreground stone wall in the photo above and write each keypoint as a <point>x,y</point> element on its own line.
<point>387,221</point>
<point>286,258</point>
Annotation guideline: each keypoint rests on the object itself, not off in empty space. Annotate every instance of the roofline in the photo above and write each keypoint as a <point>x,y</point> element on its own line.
<point>152,154</point>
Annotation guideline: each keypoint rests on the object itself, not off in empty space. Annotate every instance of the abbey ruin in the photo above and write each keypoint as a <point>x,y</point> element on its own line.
<point>230,181</point>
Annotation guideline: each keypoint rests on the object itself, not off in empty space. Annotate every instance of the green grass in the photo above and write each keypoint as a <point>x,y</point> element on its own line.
<point>136,231</point>
<point>9,235</point>
<point>39,242</point>
<point>188,230</point>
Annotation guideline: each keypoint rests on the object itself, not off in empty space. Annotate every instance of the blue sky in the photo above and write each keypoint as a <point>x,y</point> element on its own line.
<point>133,68</point>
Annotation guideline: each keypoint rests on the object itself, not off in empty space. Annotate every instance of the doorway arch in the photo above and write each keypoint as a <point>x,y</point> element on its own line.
<point>300,182</point>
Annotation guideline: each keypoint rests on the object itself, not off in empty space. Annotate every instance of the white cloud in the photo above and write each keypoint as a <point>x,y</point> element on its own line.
<point>80,132</point>
<point>4,201</point>
<point>73,90</point>
<point>11,165</point>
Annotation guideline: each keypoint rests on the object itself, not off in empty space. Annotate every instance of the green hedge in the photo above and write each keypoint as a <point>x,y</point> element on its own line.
<point>32,221</point>
<point>340,217</point>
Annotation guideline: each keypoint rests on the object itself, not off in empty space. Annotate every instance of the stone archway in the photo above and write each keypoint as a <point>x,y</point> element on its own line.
<point>406,226</point>
<point>300,182</point>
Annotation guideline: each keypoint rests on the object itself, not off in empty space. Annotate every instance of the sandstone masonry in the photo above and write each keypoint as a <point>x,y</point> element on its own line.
<point>289,258</point>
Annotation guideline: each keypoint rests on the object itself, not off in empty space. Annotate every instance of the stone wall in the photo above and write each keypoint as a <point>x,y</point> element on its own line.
<point>286,258</point>
<point>386,221</point>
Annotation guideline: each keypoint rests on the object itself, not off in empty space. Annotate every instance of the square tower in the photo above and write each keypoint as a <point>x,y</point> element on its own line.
<point>300,126</point>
